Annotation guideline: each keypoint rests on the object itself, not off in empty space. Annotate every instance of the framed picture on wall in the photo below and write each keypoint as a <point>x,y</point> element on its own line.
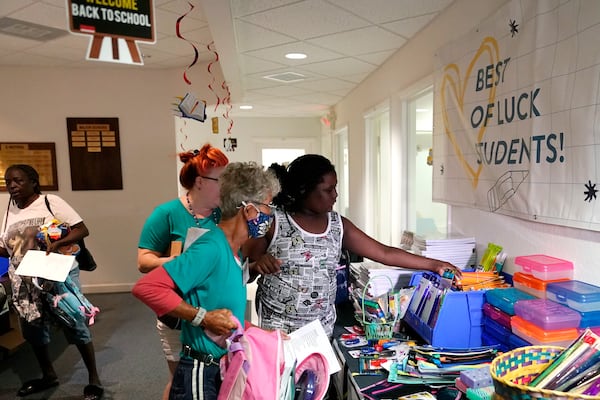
<point>41,156</point>
<point>95,153</point>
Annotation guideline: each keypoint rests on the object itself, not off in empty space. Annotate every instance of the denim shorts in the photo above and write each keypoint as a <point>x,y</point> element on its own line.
<point>194,379</point>
<point>38,333</point>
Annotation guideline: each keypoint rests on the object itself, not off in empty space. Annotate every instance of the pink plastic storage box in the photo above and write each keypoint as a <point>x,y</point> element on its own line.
<point>547,314</point>
<point>544,267</point>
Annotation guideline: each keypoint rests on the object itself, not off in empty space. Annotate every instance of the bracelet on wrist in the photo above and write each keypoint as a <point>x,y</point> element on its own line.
<point>199,317</point>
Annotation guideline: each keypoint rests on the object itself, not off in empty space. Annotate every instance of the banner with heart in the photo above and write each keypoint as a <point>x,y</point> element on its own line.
<point>517,114</point>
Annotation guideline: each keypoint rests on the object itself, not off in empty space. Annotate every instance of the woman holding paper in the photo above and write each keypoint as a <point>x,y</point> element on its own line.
<point>165,230</point>
<point>27,212</point>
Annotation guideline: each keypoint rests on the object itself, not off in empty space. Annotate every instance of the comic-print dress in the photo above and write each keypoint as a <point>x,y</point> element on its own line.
<point>305,288</point>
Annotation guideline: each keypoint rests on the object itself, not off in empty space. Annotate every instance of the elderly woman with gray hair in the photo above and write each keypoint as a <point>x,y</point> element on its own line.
<point>211,278</point>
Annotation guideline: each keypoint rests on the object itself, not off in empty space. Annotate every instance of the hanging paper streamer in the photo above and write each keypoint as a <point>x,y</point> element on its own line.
<point>228,106</point>
<point>210,48</point>
<point>185,136</point>
<point>177,27</point>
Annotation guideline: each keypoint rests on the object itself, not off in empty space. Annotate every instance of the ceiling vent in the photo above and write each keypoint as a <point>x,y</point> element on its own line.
<point>28,30</point>
<point>287,77</point>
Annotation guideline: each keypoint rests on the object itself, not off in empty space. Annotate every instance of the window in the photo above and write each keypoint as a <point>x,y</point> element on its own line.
<point>378,182</point>
<point>424,216</point>
<point>340,160</point>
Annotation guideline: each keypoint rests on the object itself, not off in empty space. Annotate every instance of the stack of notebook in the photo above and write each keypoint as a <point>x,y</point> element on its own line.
<point>458,250</point>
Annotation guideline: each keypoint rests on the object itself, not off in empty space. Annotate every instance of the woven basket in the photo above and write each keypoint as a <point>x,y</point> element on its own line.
<point>512,371</point>
<point>377,330</point>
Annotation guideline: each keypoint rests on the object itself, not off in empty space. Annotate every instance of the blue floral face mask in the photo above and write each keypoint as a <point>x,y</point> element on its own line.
<point>259,226</point>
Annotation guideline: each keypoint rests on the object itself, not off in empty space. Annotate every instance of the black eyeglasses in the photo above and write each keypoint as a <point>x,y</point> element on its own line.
<point>210,178</point>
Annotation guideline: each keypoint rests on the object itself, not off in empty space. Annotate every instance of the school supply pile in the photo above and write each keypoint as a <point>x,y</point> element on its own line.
<point>434,366</point>
<point>379,315</point>
<point>480,280</point>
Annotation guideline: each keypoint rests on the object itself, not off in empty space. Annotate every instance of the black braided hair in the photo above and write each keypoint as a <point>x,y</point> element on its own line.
<point>302,177</point>
<point>31,173</point>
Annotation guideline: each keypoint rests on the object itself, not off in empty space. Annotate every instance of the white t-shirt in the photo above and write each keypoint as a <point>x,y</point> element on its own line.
<point>18,236</point>
<point>20,226</point>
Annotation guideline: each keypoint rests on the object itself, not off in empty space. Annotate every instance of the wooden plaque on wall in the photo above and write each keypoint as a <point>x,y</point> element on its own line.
<point>41,156</point>
<point>95,153</point>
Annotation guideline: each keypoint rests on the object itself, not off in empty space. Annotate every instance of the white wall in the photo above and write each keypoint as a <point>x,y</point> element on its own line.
<point>34,107</point>
<point>402,72</point>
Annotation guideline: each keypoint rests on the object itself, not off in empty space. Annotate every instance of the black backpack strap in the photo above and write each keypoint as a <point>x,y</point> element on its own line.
<point>48,204</point>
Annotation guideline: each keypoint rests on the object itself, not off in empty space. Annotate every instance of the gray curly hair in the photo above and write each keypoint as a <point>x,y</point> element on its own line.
<point>245,181</point>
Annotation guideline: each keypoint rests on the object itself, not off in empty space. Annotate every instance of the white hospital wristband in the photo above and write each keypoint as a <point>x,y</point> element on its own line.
<point>199,317</point>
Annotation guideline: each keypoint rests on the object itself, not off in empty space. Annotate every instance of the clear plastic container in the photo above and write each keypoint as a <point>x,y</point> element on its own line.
<point>547,314</point>
<point>532,285</point>
<point>589,319</point>
<point>538,336</point>
<point>497,315</point>
<point>545,267</point>
<point>505,298</point>
<point>578,295</point>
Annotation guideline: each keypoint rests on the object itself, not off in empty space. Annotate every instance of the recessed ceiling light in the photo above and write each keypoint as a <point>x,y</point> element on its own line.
<point>295,56</point>
<point>246,107</point>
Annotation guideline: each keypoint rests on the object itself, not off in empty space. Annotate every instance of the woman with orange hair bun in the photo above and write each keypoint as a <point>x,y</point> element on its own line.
<point>165,230</point>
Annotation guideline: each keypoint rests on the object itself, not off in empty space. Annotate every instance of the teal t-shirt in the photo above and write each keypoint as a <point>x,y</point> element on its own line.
<point>170,222</point>
<point>208,275</point>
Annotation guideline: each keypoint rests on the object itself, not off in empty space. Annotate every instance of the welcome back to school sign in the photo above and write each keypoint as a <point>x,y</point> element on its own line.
<point>517,114</point>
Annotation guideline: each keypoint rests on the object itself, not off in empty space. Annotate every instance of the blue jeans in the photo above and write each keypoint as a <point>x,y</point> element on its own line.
<point>194,379</point>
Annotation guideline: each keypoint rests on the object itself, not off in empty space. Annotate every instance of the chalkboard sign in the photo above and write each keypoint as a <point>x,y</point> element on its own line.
<point>128,19</point>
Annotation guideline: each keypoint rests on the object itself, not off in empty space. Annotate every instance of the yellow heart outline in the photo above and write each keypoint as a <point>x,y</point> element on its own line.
<point>490,45</point>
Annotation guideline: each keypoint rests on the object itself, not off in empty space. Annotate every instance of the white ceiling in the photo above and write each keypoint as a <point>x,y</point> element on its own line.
<point>345,41</point>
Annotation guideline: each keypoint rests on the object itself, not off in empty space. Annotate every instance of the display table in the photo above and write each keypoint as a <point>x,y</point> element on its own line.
<point>348,384</point>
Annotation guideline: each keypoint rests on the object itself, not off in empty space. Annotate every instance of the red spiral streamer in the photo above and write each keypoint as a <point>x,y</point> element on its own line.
<point>177,29</point>
<point>210,48</point>
<point>228,106</point>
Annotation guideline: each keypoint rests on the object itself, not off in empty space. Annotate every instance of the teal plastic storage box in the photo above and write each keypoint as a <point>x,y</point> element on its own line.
<point>578,295</point>
<point>505,298</point>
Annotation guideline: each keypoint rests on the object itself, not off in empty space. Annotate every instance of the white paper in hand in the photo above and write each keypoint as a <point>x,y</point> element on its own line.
<point>53,266</point>
<point>311,338</point>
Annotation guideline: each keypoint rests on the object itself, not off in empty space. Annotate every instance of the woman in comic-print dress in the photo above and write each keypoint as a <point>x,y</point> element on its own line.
<point>304,289</point>
<point>297,258</point>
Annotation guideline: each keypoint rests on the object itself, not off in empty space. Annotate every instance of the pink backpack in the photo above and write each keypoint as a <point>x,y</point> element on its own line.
<point>253,365</point>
